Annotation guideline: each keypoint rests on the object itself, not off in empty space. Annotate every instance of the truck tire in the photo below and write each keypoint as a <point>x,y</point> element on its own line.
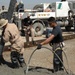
<point>3,14</point>
<point>39,8</point>
<point>68,28</point>
<point>39,28</point>
<point>70,24</point>
<point>70,14</point>
<point>74,24</point>
<point>74,28</point>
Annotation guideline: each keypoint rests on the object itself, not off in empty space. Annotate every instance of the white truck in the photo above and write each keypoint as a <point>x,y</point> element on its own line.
<point>62,11</point>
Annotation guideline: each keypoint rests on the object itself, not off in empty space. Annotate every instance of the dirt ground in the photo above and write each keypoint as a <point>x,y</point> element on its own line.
<point>41,60</point>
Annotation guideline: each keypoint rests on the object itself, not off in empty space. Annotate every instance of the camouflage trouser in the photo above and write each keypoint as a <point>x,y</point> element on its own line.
<point>17,58</point>
<point>57,63</point>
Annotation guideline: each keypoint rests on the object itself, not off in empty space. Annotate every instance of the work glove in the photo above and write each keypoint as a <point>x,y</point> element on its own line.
<point>62,44</point>
<point>39,46</point>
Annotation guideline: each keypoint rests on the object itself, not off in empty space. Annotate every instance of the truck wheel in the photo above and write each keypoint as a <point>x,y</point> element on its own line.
<point>38,7</point>
<point>70,14</point>
<point>68,28</point>
<point>74,27</point>
<point>39,28</point>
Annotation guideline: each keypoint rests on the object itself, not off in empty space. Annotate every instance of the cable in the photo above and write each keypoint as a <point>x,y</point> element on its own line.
<point>29,60</point>
<point>53,53</point>
<point>67,61</point>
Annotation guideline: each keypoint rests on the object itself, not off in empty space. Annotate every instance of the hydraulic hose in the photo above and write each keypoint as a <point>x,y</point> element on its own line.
<point>30,60</point>
<point>67,61</point>
<point>53,53</point>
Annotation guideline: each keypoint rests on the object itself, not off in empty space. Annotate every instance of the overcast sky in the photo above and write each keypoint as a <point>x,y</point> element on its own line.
<point>27,3</point>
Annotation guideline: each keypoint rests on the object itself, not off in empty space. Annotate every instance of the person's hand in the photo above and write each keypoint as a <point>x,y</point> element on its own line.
<point>39,46</point>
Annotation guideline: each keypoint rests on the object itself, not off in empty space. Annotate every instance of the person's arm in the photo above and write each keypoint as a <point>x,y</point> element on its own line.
<point>48,39</point>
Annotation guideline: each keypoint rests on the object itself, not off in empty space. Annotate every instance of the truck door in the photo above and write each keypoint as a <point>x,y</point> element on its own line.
<point>62,9</point>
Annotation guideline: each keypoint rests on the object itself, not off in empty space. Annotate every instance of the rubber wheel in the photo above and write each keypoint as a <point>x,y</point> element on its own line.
<point>39,28</point>
<point>3,14</point>
<point>74,28</point>
<point>68,28</point>
<point>70,24</point>
<point>38,7</point>
<point>70,14</point>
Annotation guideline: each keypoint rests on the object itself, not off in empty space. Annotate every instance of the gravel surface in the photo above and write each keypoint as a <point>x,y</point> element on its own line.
<point>41,61</point>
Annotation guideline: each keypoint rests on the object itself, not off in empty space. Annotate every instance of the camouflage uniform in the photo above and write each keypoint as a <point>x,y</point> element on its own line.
<point>12,35</point>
